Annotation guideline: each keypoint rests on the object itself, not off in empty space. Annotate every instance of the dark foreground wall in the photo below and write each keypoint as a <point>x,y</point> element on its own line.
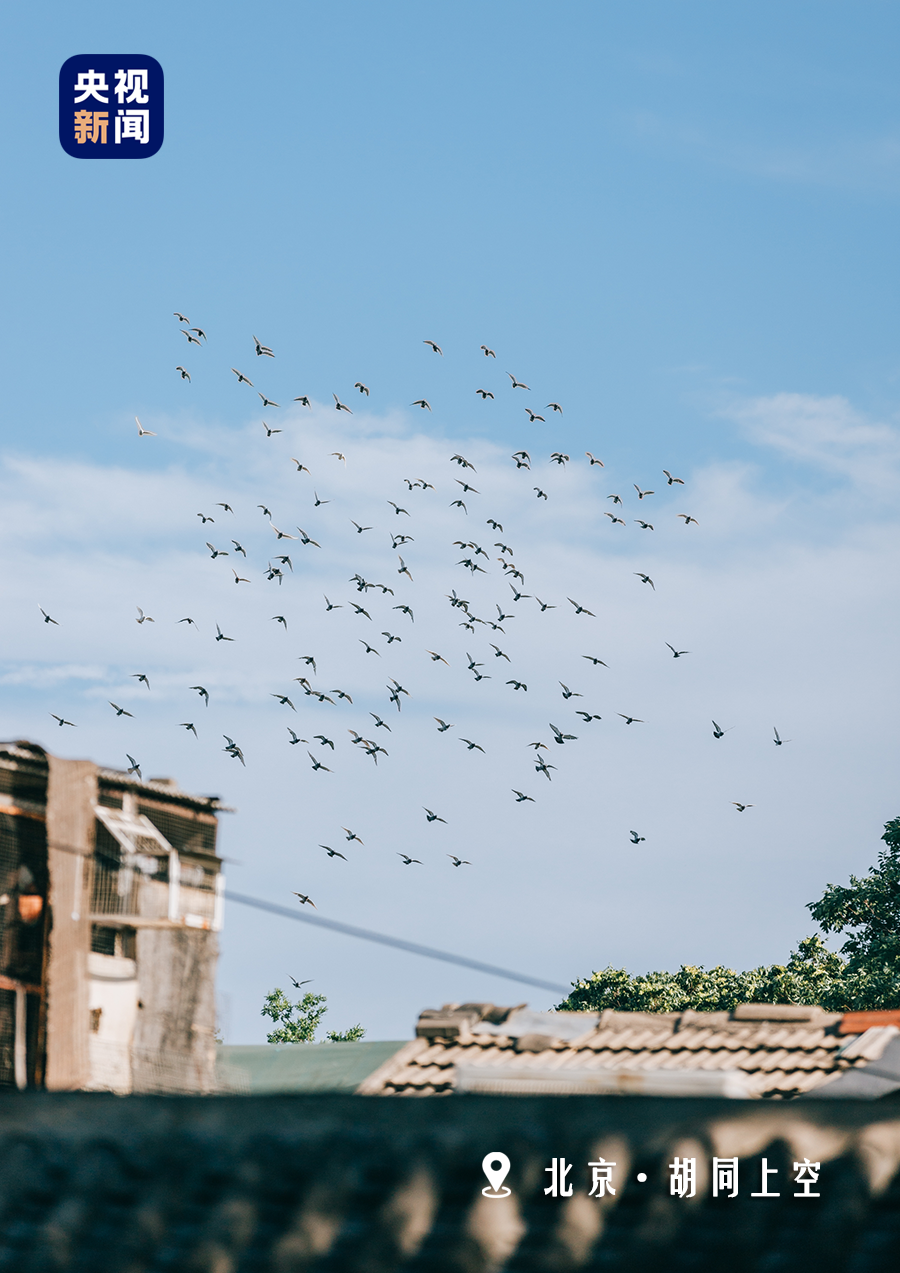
<point>279,1184</point>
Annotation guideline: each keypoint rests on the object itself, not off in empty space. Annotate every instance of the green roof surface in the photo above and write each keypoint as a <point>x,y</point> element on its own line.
<point>300,1067</point>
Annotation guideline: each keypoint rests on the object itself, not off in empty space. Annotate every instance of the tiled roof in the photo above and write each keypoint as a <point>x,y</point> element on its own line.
<point>165,787</point>
<point>32,758</point>
<point>764,1050</point>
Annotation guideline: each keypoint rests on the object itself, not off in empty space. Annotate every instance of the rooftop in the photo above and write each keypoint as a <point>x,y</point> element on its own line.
<point>31,758</point>
<point>758,1050</point>
<point>255,1069</point>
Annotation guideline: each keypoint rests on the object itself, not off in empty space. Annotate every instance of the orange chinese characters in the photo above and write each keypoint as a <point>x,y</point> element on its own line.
<point>91,126</point>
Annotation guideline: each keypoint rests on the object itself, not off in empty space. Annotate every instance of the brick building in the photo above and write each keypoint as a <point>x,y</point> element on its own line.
<point>110,902</point>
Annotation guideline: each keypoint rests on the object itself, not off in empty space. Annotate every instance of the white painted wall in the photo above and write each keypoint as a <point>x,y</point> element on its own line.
<point>112,988</point>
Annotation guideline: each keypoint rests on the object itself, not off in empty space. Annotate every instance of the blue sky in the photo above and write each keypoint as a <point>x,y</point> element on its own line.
<point>677,221</point>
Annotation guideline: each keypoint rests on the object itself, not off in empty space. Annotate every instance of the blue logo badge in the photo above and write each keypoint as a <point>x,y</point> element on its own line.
<point>111,106</point>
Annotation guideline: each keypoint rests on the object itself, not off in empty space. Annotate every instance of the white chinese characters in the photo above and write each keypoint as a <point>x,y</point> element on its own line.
<point>558,1172</point>
<point>725,1177</point>
<point>91,84</point>
<point>767,1171</point>
<point>131,86</point>
<point>133,125</point>
<point>601,1178</point>
<point>683,1178</point>
<point>130,125</point>
<point>807,1175</point>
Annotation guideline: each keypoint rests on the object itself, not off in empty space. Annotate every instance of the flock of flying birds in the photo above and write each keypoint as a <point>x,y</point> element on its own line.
<point>282,561</point>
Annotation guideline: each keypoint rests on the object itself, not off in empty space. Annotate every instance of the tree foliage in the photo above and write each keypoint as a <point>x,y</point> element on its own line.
<point>813,974</point>
<point>295,1022</point>
<point>298,1022</point>
<point>868,909</point>
<point>352,1035</point>
<point>866,974</point>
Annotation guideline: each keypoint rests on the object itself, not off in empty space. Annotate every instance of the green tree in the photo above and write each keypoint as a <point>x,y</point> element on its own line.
<point>868,909</point>
<point>866,973</point>
<point>353,1035</point>
<point>295,1022</point>
<point>298,1022</point>
<point>813,974</point>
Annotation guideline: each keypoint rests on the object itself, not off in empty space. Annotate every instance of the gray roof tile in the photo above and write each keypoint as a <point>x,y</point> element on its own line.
<point>781,1050</point>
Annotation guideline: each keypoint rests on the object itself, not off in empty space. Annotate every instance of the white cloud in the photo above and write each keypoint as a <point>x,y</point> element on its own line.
<point>842,161</point>
<point>826,432</point>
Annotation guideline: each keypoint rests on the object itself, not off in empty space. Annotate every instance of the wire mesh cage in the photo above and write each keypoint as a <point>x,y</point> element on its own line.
<point>117,1066</point>
<point>23,892</point>
<point>174,1072</point>
<point>131,867</point>
<point>137,872</point>
<point>7,1037</point>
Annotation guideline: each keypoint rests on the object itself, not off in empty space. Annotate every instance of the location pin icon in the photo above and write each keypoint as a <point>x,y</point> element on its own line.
<point>496,1167</point>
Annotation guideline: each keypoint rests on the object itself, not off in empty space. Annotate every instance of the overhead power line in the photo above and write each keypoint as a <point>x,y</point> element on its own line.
<point>412,948</point>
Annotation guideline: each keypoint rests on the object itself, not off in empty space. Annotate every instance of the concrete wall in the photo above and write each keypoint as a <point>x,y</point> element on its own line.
<point>352,1184</point>
<point>174,1038</point>
<point>71,793</point>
